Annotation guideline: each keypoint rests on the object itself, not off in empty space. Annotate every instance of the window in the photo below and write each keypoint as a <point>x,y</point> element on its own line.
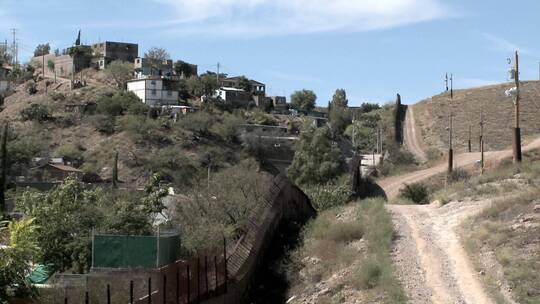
<point>153,92</point>
<point>169,93</point>
<point>153,82</point>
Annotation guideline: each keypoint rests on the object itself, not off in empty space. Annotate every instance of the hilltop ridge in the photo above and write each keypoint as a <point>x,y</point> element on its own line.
<point>432,117</point>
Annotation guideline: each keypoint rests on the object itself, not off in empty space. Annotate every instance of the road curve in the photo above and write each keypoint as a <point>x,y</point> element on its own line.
<point>410,136</point>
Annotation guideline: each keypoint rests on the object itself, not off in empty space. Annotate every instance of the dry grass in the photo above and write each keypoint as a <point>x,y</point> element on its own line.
<point>433,113</point>
<point>348,251</point>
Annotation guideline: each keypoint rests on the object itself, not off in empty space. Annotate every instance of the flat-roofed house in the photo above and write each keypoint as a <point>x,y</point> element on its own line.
<point>106,52</point>
<point>155,91</point>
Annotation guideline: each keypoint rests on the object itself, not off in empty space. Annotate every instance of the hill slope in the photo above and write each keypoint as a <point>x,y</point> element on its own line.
<point>432,116</point>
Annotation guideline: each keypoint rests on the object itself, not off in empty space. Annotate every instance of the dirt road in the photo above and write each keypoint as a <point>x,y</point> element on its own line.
<point>430,260</point>
<point>410,137</point>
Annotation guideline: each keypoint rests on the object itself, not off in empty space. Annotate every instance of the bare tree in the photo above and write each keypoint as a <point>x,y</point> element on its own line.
<point>120,72</point>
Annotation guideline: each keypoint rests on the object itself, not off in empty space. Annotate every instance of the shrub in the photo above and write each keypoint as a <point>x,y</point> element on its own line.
<point>329,195</point>
<point>104,123</point>
<point>418,193</point>
<point>199,122</point>
<point>140,127</point>
<point>57,96</point>
<point>229,128</point>
<point>35,112</point>
<point>31,87</point>
<point>117,104</point>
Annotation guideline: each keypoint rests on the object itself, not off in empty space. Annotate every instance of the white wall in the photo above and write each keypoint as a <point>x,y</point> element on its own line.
<point>151,92</point>
<point>4,85</point>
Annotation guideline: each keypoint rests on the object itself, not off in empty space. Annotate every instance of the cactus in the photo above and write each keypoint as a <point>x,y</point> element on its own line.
<point>115,171</point>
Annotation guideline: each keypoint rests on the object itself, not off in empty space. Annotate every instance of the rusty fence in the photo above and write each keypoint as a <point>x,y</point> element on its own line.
<point>183,282</point>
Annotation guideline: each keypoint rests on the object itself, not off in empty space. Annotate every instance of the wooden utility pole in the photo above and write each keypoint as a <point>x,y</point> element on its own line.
<point>517,130</point>
<point>469,144</point>
<point>450,148</point>
<point>482,140</point>
<point>217,75</point>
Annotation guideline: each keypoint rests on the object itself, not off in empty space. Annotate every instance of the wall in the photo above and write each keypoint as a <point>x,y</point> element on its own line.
<point>283,202</point>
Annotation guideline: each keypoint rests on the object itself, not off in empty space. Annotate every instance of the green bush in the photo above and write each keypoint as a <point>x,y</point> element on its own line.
<point>35,112</point>
<point>57,96</point>
<point>104,123</point>
<point>329,195</point>
<point>199,122</point>
<point>118,103</point>
<point>418,193</point>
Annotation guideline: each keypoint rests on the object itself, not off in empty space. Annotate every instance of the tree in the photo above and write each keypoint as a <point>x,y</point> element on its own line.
<point>340,99</point>
<point>50,65</point>
<point>244,84</point>
<point>15,260</point>
<point>304,100</point>
<point>157,54</point>
<point>202,86</point>
<point>3,174</point>
<point>42,49</point>
<point>182,68</point>
<point>65,218</point>
<point>340,118</point>
<point>316,160</point>
<point>120,72</point>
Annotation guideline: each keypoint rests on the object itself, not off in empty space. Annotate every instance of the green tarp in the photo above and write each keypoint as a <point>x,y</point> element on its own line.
<point>122,251</point>
<point>40,275</point>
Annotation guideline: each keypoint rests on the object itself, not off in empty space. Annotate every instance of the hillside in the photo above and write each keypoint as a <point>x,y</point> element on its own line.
<point>432,117</point>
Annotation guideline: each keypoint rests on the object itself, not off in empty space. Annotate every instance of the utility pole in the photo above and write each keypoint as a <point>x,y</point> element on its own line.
<point>469,144</point>
<point>450,148</point>
<point>482,140</point>
<point>446,81</point>
<point>14,47</point>
<point>517,130</point>
<point>217,74</point>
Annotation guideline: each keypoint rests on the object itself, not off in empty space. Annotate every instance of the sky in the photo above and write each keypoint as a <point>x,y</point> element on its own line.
<point>371,48</point>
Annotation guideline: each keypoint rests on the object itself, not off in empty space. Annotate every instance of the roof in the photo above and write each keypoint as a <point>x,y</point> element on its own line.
<point>239,77</point>
<point>231,89</point>
<point>63,168</point>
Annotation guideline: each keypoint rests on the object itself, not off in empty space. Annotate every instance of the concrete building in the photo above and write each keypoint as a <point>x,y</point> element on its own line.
<point>106,52</point>
<point>256,88</point>
<point>279,102</point>
<point>155,91</point>
<point>4,82</point>
<point>234,96</point>
<point>77,59</point>
<point>146,67</point>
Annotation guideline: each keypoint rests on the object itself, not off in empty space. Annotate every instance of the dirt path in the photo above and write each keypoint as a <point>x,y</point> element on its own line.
<point>429,258</point>
<point>410,137</point>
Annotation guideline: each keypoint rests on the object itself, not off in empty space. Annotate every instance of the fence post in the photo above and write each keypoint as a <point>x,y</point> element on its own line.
<point>157,248</point>
<point>86,298</point>
<point>216,271</point>
<point>108,294</point>
<point>177,283</point>
<point>150,290</point>
<point>130,292</point>
<point>188,285</point>
<point>225,261</point>
<point>164,289</point>
<point>206,275</point>
<point>198,279</point>
<point>65,300</point>
<point>93,246</point>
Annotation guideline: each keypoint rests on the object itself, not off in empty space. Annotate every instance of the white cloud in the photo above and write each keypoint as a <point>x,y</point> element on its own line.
<point>503,45</point>
<point>280,17</point>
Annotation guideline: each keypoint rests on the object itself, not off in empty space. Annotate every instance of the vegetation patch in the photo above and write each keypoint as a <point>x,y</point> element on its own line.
<point>345,255</point>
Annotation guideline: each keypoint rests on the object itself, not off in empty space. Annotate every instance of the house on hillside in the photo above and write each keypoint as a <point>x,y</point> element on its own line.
<point>253,87</point>
<point>279,102</point>
<point>51,172</point>
<point>147,67</point>
<point>234,96</point>
<point>4,82</point>
<point>106,52</point>
<point>155,91</point>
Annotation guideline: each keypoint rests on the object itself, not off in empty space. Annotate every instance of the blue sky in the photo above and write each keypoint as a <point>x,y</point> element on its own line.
<point>372,48</point>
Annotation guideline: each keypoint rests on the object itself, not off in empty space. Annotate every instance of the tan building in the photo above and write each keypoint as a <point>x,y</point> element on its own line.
<point>106,52</point>
<point>256,88</point>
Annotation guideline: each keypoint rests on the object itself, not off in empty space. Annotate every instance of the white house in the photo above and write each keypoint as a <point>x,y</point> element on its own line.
<point>155,91</point>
